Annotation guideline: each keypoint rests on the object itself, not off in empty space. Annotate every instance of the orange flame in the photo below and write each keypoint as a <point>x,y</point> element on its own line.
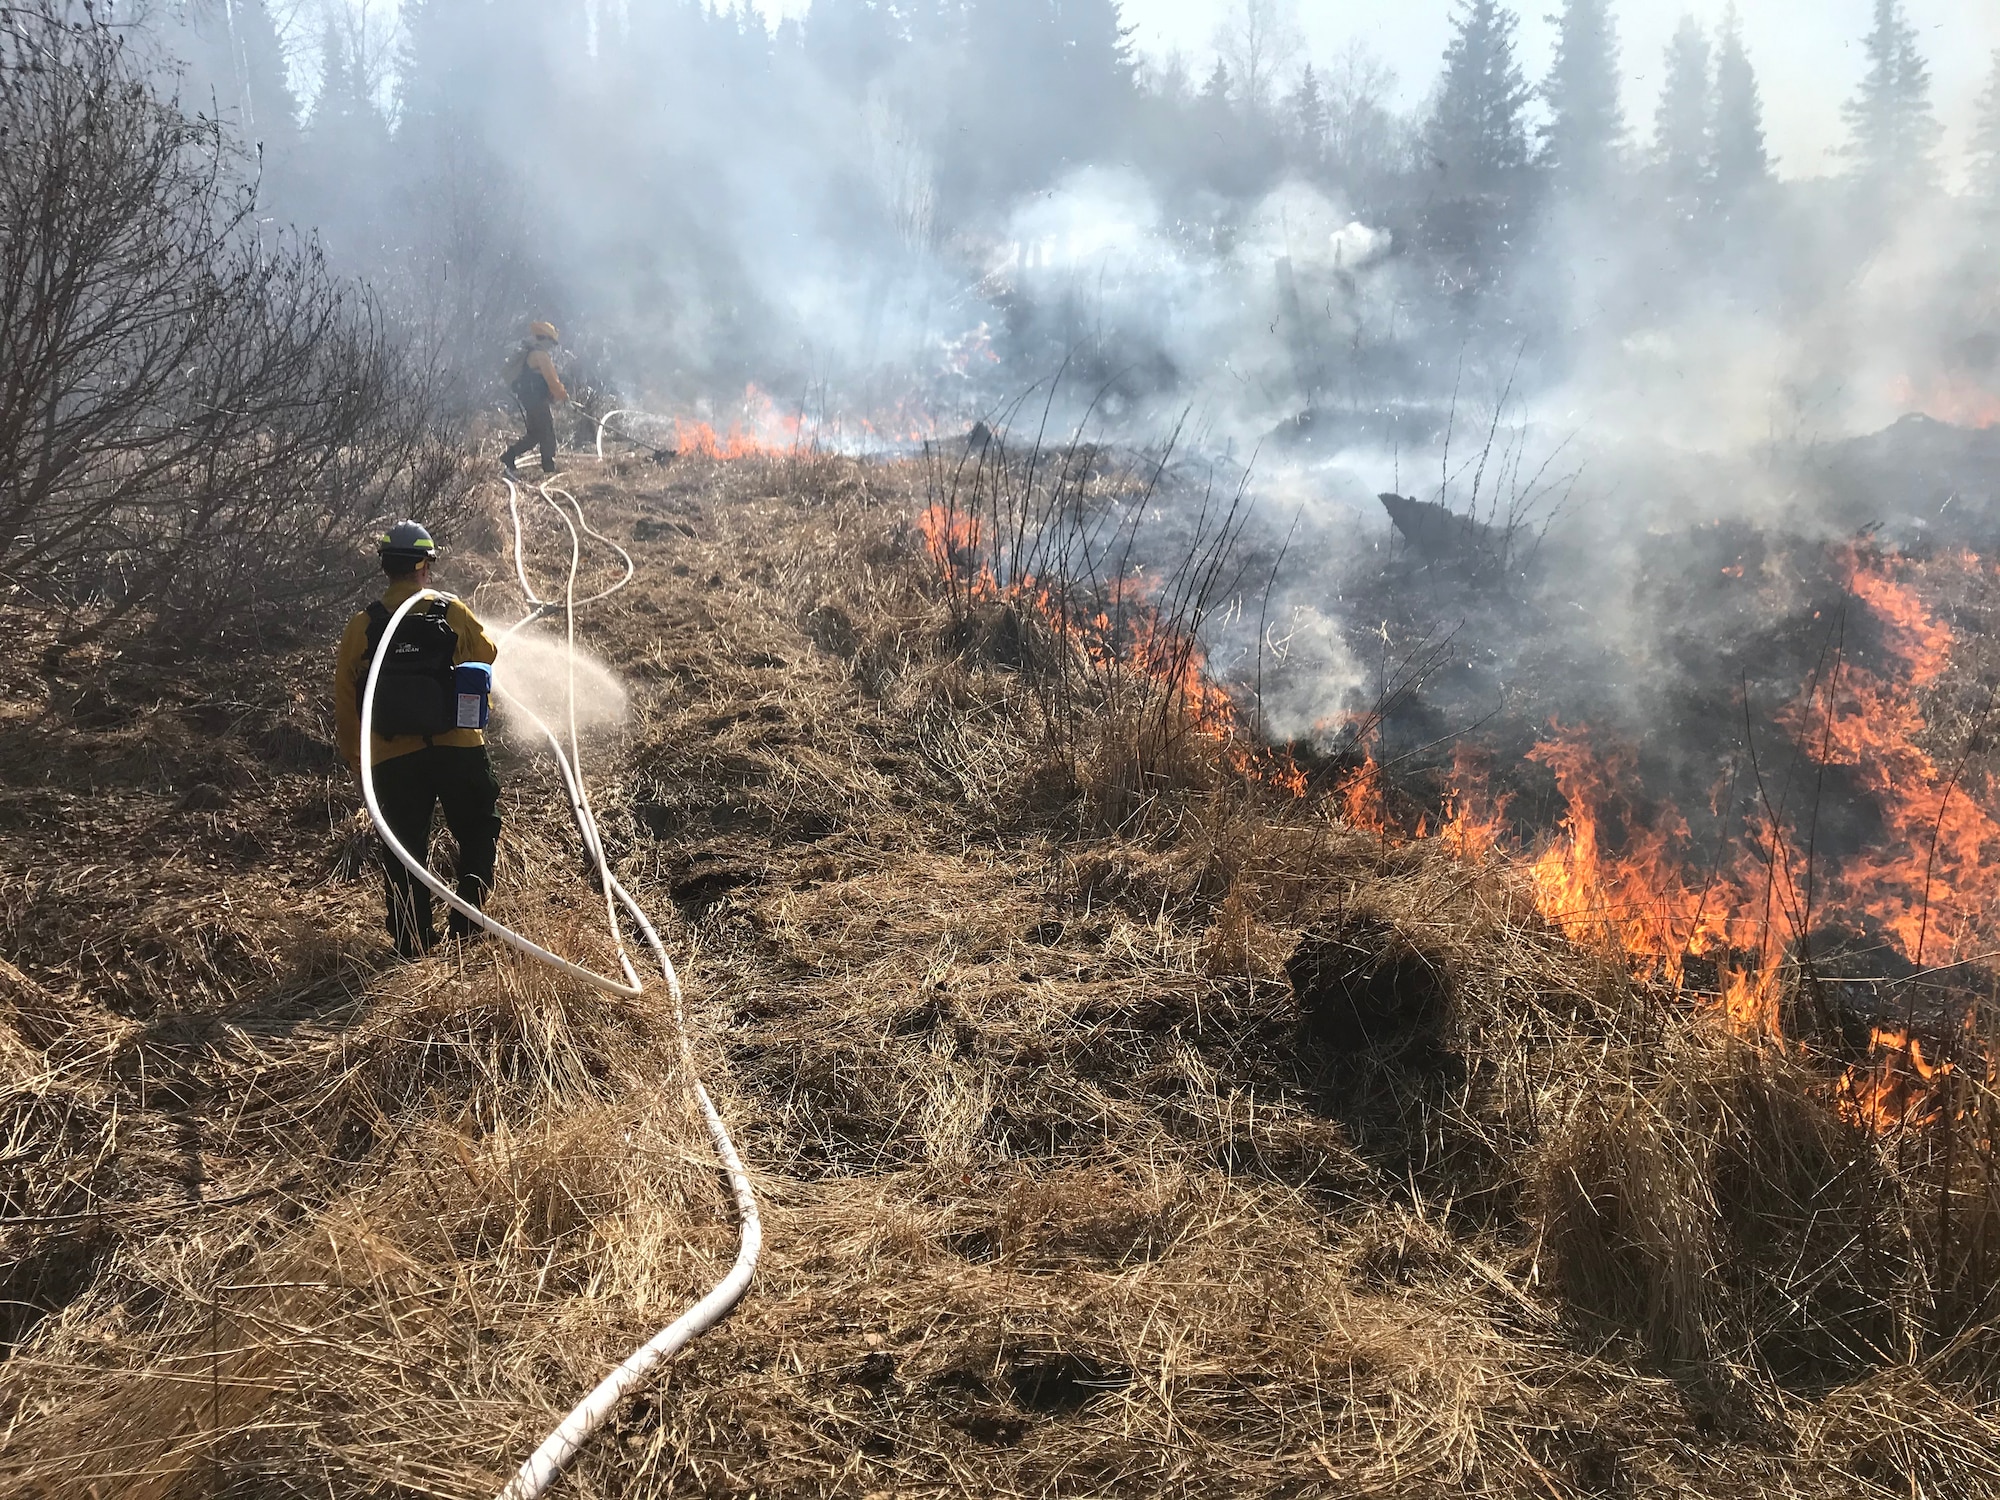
<point>1641,897</point>
<point>1896,1089</point>
<point>1364,803</point>
<point>1749,999</point>
<point>1139,641</point>
<point>1931,885</point>
<point>1949,398</point>
<point>1474,821</point>
<point>952,540</point>
<point>761,428</point>
<point>1644,899</point>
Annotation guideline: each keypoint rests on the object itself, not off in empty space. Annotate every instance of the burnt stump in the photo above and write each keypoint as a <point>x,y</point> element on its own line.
<point>1361,982</point>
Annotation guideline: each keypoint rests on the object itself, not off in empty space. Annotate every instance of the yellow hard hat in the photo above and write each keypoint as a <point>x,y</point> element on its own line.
<point>543,331</point>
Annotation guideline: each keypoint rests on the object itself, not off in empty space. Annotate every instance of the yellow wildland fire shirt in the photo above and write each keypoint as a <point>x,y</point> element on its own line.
<point>350,672</point>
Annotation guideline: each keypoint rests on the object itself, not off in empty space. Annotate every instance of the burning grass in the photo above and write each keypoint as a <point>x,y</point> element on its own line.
<point>1127,1125</point>
<point>1864,954</point>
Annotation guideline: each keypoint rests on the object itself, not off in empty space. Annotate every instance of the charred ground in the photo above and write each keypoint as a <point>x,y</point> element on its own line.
<point>1125,1127</point>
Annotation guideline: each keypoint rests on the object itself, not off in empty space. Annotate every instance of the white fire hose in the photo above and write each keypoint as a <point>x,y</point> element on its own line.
<point>621,411</point>
<point>548,1460</point>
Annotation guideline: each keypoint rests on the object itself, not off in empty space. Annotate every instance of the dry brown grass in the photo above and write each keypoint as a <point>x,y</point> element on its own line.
<point>1063,1197</point>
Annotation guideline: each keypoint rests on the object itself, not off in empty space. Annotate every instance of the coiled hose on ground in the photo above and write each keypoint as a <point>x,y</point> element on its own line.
<point>539,1472</point>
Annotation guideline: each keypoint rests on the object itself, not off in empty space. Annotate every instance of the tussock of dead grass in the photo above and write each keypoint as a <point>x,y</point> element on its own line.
<point>1061,1198</point>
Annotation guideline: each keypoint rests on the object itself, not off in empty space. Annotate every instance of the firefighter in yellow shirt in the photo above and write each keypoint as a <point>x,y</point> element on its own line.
<point>532,376</point>
<point>422,757</point>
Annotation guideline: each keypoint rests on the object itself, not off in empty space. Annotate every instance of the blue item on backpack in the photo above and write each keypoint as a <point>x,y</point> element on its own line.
<point>474,680</point>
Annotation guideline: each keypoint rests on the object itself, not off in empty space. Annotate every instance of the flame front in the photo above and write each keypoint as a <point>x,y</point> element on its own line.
<point>1622,871</point>
<point>1927,886</point>
<point>761,428</point>
<point>1958,399</point>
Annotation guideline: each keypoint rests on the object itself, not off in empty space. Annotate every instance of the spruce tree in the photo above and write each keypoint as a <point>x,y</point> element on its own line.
<point>1092,79</point>
<point>1220,152</point>
<point>1586,123</point>
<point>479,70</point>
<point>1986,140</point>
<point>270,113</point>
<point>1891,130</point>
<point>1042,87</point>
<point>1739,161</point>
<point>1215,91</point>
<point>337,186</point>
<point>431,58</point>
<point>1096,50</point>
<point>1684,120</point>
<point>1309,118</point>
<point>230,62</point>
<point>345,118</point>
<point>1476,133</point>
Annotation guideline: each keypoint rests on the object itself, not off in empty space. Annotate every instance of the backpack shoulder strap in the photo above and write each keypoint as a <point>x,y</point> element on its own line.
<point>438,611</point>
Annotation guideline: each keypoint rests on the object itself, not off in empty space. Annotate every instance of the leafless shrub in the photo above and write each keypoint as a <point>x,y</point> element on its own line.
<point>1041,557</point>
<point>194,416</point>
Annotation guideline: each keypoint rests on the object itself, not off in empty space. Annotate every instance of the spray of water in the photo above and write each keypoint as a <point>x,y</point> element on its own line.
<point>535,669</point>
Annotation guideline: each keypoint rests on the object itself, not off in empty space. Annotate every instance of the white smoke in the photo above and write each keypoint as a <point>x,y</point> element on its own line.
<point>1309,677</point>
<point>1241,311</point>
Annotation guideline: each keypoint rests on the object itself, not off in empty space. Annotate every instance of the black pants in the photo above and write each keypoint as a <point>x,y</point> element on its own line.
<point>460,779</point>
<point>541,431</point>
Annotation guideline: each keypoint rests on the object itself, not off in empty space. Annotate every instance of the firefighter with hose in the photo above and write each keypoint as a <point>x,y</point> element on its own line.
<point>428,748</point>
<point>531,374</point>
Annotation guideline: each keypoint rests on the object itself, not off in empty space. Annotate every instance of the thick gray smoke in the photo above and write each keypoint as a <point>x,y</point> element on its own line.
<point>929,208</point>
<point>1576,332</point>
<point>1238,324</point>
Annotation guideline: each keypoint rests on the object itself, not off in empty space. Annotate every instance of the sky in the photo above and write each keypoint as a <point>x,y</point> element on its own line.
<point>1807,53</point>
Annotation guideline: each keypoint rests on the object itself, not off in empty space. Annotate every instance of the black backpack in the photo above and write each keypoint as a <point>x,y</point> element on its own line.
<point>529,384</point>
<point>415,693</point>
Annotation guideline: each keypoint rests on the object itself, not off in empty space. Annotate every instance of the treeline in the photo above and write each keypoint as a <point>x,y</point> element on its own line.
<point>717,201</point>
<point>1008,93</point>
<point>200,403</point>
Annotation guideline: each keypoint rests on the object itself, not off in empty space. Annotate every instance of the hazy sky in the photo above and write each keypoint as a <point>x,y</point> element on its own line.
<point>1807,52</point>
